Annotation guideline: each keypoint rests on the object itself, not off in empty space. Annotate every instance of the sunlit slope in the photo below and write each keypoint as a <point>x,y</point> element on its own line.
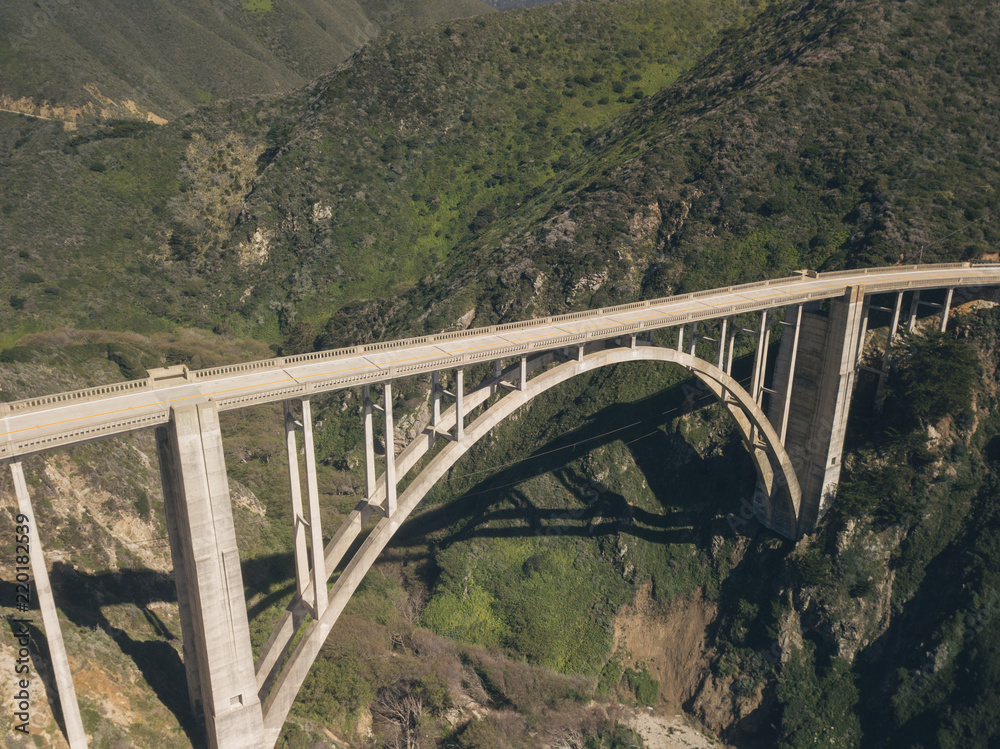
<point>168,56</point>
<point>249,216</point>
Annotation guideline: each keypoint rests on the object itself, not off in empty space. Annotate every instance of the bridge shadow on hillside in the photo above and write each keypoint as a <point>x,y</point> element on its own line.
<point>153,645</point>
<point>692,490</point>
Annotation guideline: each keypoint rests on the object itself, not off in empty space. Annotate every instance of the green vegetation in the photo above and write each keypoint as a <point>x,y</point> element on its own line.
<point>527,595</point>
<point>162,60</point>
<point>280,211</point>
<point>817,709</point>
<point>527,164</point>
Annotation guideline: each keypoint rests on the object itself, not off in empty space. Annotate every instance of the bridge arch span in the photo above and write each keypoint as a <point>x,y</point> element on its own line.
<point>774,468</point>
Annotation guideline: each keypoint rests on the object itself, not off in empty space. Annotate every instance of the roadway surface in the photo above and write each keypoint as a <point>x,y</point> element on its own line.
<point>48,422</point>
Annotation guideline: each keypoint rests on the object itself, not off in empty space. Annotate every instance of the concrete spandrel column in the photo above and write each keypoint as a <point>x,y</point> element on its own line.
<point>459,404</point>
<point>390,454</point>
<point>369,432</point>
<point>946,309</point>
<point>865,312</point>
<point>680,338</point>
<point>731,348</point>
<point>295,487</point>
<point>315,524</point>
<point>791,374</point>
<point>50,619</point>
<point>887,354</point>
<point>522,381</point>
<point>722,342</point>
<point>435,400</point>
<point>760,357</point>
<point>911,321</point>
<point>205,538</point>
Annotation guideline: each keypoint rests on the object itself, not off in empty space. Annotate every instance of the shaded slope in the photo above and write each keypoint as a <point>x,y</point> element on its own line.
<point>169,55</point>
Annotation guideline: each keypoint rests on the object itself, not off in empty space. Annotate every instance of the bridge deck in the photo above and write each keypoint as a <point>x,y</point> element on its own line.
<point>47,422</point>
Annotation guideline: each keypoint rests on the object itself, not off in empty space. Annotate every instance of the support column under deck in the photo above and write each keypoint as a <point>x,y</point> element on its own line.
<point>210,582</point>
<point>760,357</point>
<point>50,619</point>
<point>731,347</point>
<point>722,342</point>
<point>887,354</point>
<point>784,373</point>
<point>390,455</point>
<point>459,404</point>
<point>946,308</point>
<point>298,519</point>
<point>315,525</point>
<point>369,436</point>
<point>911,321</point>
<point>826,352</point>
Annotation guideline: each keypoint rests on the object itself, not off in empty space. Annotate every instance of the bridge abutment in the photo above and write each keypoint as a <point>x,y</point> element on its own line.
<point>216,634</point>
<point>813,380</point>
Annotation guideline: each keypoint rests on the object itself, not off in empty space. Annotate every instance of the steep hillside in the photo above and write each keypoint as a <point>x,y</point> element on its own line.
<point>165,57</point>
<point>461,170</point>
<point>830,134</point>
<point>357,187</point>
<point>517,4</point>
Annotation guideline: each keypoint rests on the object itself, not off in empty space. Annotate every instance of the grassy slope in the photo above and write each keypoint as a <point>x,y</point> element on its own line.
<point>411,165</point>
<point>170,212</point>
<point>718,231</point>
<point>172,56</point>
<point>96,222</point>
<point>831,135</point>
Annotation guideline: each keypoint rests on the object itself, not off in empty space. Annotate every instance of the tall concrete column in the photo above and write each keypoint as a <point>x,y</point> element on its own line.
<point>911,321</point>
<point>946,308</point>
<point>390,454</point>
<point>722,342</point>
<point>189,636</point>
<point>50,619</point>
<point>731,347</point>
<point>826,352</point>
<point>206,557</point>
<point>295,487</point>
<point>865,310</point>
<point>315,524</point>
<point>369,436</point>
<point>459,404</point>
<point>784,373</point>
<point>887,354</point>
<point>760,358</point>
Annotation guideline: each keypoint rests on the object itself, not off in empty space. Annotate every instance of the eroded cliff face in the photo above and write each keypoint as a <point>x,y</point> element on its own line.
<point>99,108</point>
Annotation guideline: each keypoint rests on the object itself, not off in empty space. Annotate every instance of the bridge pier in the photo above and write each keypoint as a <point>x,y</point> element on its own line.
<point>216,635</point>
<point>819,360</point>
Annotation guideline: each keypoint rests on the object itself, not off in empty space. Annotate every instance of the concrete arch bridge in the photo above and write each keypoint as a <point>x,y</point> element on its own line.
<point>792,418</point>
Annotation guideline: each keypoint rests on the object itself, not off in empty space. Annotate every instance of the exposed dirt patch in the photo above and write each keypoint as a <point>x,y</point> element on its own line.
<point>669,732</point>
<point>668,639</point>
